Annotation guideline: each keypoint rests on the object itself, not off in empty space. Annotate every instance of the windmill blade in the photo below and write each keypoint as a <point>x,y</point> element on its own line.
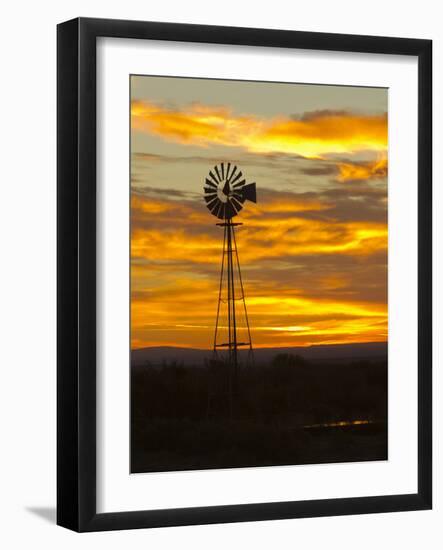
<point>210,203</point>
<point>227,171</point>
<point>239,184</point>
<point>238,195</point>
<point>210,190</point>
<point>223,170</point>
<point>209,183</point>
<point>218,173</point>
<point>229,211</point>
<point>239,175</point>
<point>216,181</point>
<point>234,170</point>
<point>249,192</point>
<point>221,212</point>
<point>236,204</point>
<point>210,198</point>
<point>216,208</point>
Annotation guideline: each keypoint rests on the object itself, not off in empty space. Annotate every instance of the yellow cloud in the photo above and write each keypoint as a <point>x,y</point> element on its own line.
<point>362,171</point>
<point>312,137</point>
<point>149,206</point>
<point>265,237</point>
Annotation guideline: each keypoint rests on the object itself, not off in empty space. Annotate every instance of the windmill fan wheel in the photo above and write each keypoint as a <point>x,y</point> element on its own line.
<point>226,191</point>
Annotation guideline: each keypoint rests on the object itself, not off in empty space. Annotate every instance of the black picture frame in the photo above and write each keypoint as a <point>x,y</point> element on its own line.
<point>76,280</point>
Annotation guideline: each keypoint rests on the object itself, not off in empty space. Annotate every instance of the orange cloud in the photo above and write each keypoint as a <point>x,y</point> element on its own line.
<point>362,171</point>
<point>311,136</point>
<point>265,237</point>
<point>150,206</point>
<point>290,206</point>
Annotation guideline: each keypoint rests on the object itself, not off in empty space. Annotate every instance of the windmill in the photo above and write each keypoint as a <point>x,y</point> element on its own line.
<point>226,191</point>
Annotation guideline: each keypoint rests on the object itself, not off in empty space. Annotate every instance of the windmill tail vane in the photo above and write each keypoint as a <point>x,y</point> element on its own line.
<point>225,194</point>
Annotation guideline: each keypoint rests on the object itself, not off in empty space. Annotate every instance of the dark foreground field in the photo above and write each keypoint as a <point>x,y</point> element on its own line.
<point>289,411</point>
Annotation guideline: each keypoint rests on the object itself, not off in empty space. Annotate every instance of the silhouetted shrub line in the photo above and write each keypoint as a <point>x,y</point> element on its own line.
<point>180,416</point>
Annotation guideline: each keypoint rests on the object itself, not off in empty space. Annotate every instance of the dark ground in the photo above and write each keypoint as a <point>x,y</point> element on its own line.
<point>186,418</point>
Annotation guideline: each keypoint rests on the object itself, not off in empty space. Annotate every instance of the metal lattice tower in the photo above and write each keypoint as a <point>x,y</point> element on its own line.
<point>226,191</point>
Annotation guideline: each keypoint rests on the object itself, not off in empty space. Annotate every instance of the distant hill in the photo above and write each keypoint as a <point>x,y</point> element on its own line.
<point>335,352</point>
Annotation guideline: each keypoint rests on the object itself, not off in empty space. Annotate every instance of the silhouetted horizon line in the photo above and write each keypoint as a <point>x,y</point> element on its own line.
<point>169,346</point>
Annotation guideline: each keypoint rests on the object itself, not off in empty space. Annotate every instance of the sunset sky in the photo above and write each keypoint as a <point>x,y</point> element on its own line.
<point>313,249</point>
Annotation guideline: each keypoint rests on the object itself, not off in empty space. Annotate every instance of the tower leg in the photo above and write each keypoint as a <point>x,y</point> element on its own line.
<point>232,322</point>
<point>250,352</point>
<point>220,291</point>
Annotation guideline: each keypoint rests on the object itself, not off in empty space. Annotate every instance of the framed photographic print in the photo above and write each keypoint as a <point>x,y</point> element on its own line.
<point>244,274</point>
